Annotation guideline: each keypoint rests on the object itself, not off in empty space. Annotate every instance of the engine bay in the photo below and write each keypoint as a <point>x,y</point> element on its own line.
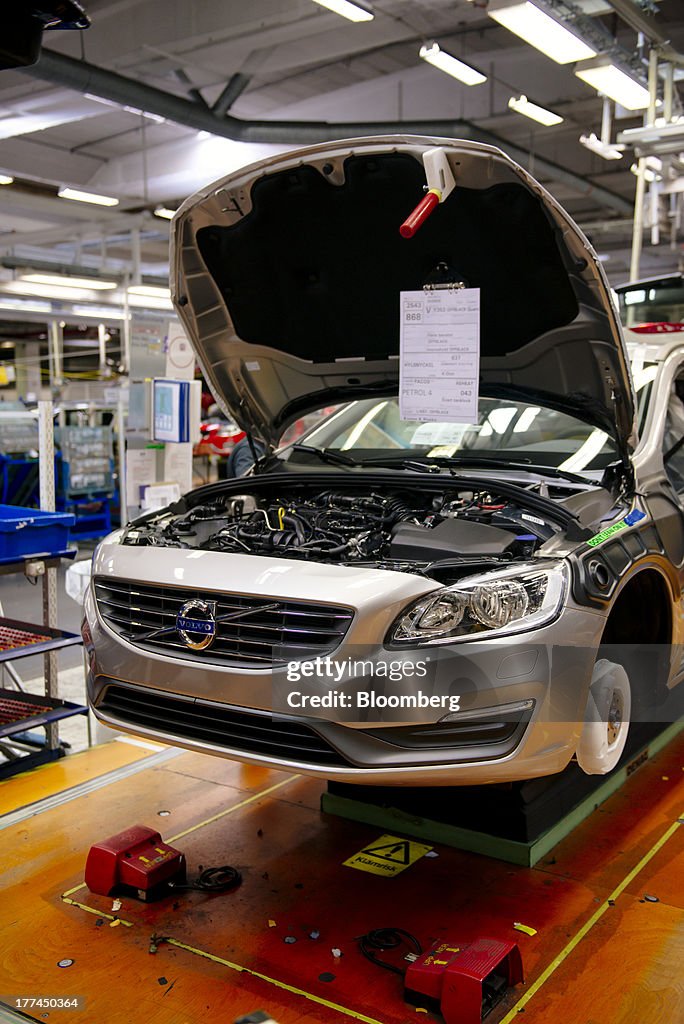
<point>431,530</point>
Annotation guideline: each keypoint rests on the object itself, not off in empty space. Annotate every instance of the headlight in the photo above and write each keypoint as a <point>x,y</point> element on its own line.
<point>482,606</point>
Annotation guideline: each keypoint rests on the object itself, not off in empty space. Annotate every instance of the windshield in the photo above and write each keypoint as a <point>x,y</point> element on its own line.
<point>504,431</point>
<point>645,302</point>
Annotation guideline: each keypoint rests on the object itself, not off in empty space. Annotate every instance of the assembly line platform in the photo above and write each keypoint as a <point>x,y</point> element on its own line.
<point>602,914</point>
<point>519,822</point>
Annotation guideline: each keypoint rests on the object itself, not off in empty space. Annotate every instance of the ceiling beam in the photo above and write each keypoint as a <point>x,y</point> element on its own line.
<point>87,78</point>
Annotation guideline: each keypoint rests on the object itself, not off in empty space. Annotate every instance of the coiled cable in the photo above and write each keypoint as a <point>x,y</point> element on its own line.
<point>382,940</point>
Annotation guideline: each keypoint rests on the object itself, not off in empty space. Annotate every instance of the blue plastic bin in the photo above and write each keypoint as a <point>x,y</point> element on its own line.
<point>30,531</point>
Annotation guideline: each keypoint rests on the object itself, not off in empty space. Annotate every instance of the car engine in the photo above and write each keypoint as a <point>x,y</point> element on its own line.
<point>399,529</point>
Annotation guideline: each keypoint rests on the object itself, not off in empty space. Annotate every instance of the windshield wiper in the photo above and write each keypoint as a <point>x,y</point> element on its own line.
<point>524,464</point>
<point>324,454</point>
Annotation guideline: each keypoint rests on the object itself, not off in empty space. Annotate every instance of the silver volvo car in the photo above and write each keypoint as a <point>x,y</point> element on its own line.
<point>386,601</point>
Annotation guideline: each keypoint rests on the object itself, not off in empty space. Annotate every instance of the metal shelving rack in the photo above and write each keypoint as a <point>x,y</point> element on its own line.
<point>20,711</point>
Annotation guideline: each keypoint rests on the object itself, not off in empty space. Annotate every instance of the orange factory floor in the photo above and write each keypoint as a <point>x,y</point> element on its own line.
<point>602,953</point>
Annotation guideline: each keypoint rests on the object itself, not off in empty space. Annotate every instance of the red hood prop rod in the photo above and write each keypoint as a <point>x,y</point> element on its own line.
<point>440,184</point>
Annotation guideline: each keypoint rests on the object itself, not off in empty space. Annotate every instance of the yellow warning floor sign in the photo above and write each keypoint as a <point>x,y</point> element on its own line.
<point>387,856</point>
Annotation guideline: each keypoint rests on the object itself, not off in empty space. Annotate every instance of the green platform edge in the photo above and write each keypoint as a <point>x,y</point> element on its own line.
<point>514,852</point>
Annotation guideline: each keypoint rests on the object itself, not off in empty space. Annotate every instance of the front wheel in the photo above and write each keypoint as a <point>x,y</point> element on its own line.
<point>606,719</point>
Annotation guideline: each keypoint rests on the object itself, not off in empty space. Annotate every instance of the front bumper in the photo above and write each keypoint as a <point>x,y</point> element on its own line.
<point>487,735</point>
<point>244,713</point>
<point>219,712</point>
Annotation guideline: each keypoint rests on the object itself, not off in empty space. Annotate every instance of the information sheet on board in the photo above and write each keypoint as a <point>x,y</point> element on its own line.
<point>440,355</point>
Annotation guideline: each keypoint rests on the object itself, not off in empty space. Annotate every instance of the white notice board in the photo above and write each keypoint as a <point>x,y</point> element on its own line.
<point>440,355</point>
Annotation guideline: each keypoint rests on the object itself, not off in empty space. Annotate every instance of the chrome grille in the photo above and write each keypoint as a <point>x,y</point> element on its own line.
<point>283,631</point>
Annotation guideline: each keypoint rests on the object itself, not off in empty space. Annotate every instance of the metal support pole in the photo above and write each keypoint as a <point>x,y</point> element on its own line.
<point>46,468</point>
<point>56,346</point>
<point>606,121</point>
<point>135,255</point>
<point>668,93</point>
<point>674,222</point>
<point>46,464</point>
<point>639,198</point>
<point>28,368</point>
<point>121,435</point>
<point>51,363</point>
<point>638,227</point>
<point>126,331</point>
<point>654,197</point>
<point>102,345</point>
<point>652,86</point>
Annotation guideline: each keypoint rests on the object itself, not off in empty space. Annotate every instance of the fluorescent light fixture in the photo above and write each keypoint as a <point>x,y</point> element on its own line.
<point>610,80</point>
<point>87,197</point>
<point>149,302</point>
<point>6,179</point>
<point>451,65</point>
<point>522,105</point>
<point>96,283</point>
<point>22,306</point>
<point>541,30</point>
<point>347,9</point>
<point>601,148</point>
<point>164,212</point>
<point>106,312</point>
<point>152,291</point>
<point>47,291</point>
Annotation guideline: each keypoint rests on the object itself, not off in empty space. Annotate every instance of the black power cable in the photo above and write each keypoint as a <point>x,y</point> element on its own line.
<point>381,940</point>
<point>215,880</point>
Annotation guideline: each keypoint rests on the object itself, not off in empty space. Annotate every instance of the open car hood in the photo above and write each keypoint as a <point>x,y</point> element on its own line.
<point>287,274</point>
